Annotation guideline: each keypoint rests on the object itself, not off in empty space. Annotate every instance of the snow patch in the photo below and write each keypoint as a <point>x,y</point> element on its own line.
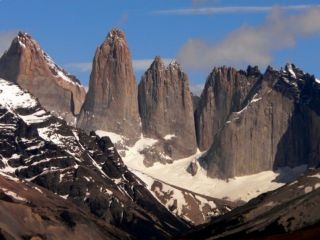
<point>239,188</point>
<point>14,97</point>
<point>58,71</point>
<point>317,175</point>
<point>114,137</point>
<point>169,137</point>
<point>133,156</point>
<point>13,195</point>
<point>255,98</point>
<point>307,189</point>
<point>64,196</point>
<point>290,70</point>
<point>38,189</point>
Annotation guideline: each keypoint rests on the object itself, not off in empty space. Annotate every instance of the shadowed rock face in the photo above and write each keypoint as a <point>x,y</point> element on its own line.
<point>278,126</point>
<point>111,103</point>
<point>225,91</point>
<point>166,108</point>
<point>26,64</point>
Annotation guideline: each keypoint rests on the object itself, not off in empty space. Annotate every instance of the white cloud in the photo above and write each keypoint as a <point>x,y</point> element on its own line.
<point>231,9</point>
<point>251,45</point>
<point>6,38</point>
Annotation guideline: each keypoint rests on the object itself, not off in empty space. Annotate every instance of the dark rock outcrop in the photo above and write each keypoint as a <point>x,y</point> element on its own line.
<point>225,91</point>
<point>277,127</point>
<point>26,64</point>
<point>166,108</point>
<point>111,102</point>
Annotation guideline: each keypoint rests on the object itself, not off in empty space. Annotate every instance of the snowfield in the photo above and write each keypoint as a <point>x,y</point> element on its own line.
<point>239,188</point>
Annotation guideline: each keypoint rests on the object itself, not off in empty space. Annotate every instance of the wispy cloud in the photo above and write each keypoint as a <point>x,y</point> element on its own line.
<point>6,39</point>
<point>138,64</point>
<point>229,10</point>
<point>252,45</point>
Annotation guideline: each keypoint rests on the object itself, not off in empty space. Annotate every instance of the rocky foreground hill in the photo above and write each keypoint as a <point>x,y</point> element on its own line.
<point>290,212</point>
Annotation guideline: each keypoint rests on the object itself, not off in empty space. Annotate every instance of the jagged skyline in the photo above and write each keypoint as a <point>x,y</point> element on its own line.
<point>179,29</point>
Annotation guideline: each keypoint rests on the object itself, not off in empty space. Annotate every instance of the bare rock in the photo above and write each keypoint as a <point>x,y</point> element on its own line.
<point>225,91</point>
<point>111,103</point>
<point>192,168</point>
<point>26,64</point>
<point>166,108</point>
<point>279,127</point>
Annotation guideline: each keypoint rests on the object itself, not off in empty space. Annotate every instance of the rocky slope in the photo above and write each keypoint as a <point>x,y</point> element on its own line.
<point>226,90</point>
<point>26,64</point>
<point>29,211</point>
<point>40,148</point>
<point>290,212</point>
<point>277,126</point>
<point>111,103</point>
<point>166,109</point>
<point>190,206</point>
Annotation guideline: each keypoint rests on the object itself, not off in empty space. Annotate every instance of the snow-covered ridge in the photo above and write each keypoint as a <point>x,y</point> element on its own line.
<point>57,70</point>
<point>14,97</point>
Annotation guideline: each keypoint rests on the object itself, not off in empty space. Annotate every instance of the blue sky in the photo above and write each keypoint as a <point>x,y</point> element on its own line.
<point>200,33</point>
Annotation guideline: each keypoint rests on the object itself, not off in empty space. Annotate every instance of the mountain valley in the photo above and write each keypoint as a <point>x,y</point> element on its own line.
<point>150,160</point>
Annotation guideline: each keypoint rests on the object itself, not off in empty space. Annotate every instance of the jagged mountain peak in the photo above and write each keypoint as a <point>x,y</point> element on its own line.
<point>164,95</point>
<point>174,65</point>
<point>157,63</point>
<point>112,94</point>
<point>25,40</point>
<point>28,65</point>
<point>115,37</point>
<point>116,33</point>
<point>253,70</point>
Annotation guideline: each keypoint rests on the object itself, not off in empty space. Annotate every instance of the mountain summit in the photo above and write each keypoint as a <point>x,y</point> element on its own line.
<point>26,64</point>
<point>166,108</point>
<point>111,103</point>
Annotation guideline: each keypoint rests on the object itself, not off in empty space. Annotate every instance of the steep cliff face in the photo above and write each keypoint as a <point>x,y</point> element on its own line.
<point>225,91</point>
<point>166,108</point>
<point>278,127</point>
<point>111,103</point>
<point>26,64</point>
